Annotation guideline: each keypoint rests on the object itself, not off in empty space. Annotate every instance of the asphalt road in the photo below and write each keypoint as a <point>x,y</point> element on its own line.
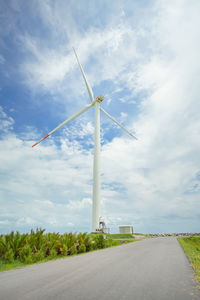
<point>151,269</point>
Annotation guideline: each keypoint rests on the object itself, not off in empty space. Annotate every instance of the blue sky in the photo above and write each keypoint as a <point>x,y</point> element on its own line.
<point>143,56</point>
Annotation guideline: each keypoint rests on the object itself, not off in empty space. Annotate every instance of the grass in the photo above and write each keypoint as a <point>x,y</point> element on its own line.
<point>191,247</point>
<point>121,236</point>
<point>4,266</point>
<point>114,236</point>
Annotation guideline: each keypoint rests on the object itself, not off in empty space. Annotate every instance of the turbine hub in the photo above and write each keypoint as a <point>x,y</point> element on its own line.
<point>99,98</point>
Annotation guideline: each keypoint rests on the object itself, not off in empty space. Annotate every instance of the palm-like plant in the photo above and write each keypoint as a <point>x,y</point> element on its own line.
<point>12,241</point>
<point>36,239</point>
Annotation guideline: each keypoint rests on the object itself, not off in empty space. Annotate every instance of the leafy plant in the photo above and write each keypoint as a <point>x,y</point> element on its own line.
<point>20,249</point>
<point>100,241</point>
<point>82,248</point>
<point>28,259</point>
<point>40,255</point>
<point>12,241</point>
<point>71,240</point>
<point>73,250</point>
<point>4,246</point>
<point>88,242</point>
<point>53,253</point>
<point>64,251</point>
<point>9,256</point>
<point>25,254</point>
<point>36,239</point>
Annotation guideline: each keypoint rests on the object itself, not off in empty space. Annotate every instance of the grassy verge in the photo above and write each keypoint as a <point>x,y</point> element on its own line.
<point>121,236</point>
<point>114,236</point>
<point>191,246</point>
<point>5,266</point>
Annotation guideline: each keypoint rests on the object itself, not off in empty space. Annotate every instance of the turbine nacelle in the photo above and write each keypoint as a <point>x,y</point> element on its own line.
<point>99,98</point>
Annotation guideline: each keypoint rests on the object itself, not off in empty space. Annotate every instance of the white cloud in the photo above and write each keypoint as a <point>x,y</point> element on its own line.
<point>4,222</point>
<point>45,184</point>
<point>7,122</point>
<point>123,116</point>
<point>26,221</point>
<point>78,205</point>
<point>48,67</point>
<point>53,68</point>
<point>70,224</point>
<point>80,129</point>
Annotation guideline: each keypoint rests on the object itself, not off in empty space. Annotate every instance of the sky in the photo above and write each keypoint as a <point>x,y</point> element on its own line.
<point>143,56</point>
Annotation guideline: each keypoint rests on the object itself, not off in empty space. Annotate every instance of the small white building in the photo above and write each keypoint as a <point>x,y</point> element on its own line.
<point>126,229</point>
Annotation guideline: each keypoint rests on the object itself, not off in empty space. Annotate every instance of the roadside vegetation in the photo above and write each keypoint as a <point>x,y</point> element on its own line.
<point>18,250</point>
<point>191,246</point>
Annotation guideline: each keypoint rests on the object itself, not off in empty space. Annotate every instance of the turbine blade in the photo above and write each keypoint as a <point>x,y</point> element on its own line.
<point>90,92</point>
<point>116,122</point>
<point>78,113</point>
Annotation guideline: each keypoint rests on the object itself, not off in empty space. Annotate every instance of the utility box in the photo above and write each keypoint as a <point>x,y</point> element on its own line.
<point>126,229</point>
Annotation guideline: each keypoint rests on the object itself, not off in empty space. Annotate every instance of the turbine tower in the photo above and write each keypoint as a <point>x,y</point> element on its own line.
<point>95,102</point>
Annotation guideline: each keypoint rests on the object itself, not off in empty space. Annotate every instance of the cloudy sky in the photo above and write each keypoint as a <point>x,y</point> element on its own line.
<point>143,56</point>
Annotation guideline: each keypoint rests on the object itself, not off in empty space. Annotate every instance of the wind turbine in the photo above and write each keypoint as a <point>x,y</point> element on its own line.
<point>95,102</point>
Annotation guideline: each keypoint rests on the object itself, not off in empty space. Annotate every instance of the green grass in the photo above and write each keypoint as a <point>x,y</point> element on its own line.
<point>4,266</point>
<point>191,246</point>
<point>114,236</point>
<point>121,236</point>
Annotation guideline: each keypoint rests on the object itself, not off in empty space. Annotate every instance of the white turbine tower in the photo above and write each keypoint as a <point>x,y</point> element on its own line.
<point>95,102</point>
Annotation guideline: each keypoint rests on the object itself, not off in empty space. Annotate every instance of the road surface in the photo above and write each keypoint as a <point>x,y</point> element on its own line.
<point>151,269</point>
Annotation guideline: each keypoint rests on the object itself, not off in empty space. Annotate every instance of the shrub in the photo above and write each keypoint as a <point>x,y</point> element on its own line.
<point>17,242</point>
<point>73,250</point>
<point>28,259</point>
<point>34,247</point>
<point>93,245</point>
<point>82,248</point>
<point>109,242</point>
<point>100,242</point>
<point>36,239</point>
<point>53,253</point>
<point>12,241</point>
<point>25,254</point>
<point>64,251</point>
<point>88,243</point>
<point>40,255</point>
<point>4,246</point>
<point>9,256</point>
<point>71,239</point>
